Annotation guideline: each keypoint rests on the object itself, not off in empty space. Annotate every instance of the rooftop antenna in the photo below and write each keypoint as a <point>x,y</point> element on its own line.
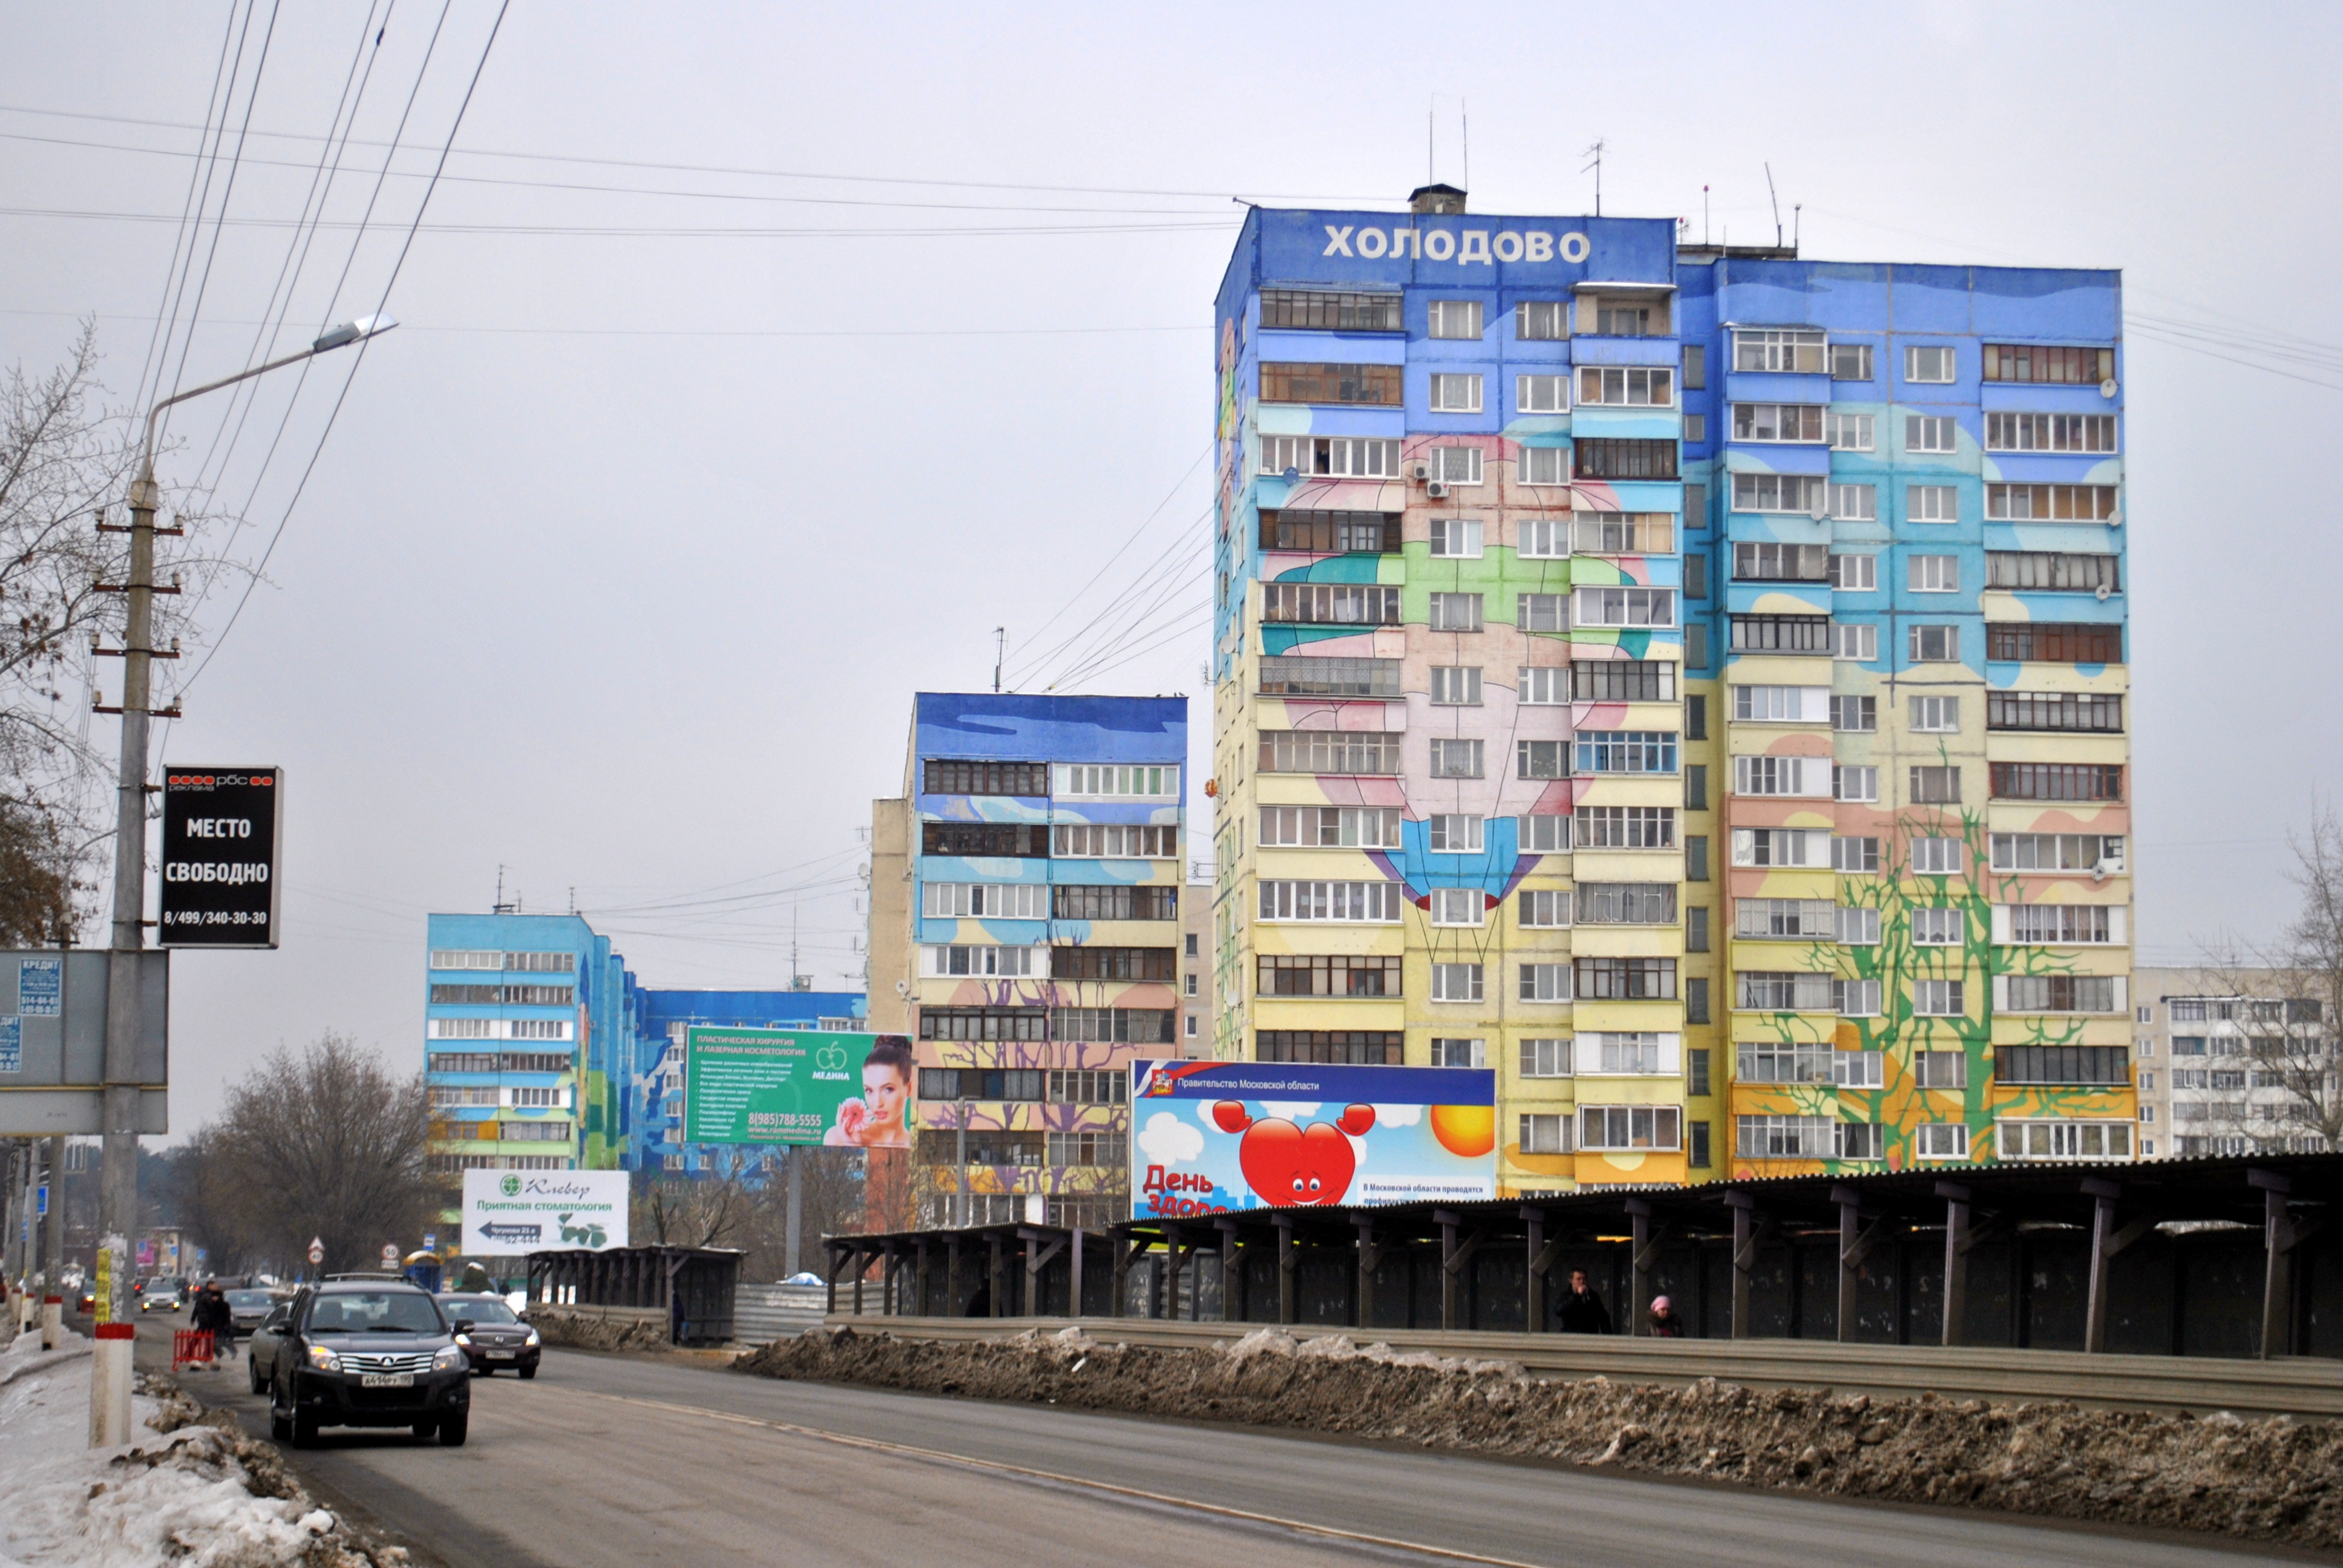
<point>1464,123</point>
<point>999,640</point>
<point>500,907</point>
<point>573,901</point>
<point>1595,151</point>
<point>1797,217</point>
<point>1703,215</point>
<point>1777,205</point>
<point>1430,175</point>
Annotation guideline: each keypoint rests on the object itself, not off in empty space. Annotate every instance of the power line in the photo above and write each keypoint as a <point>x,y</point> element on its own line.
<point>659,231</point>
<point>708,332</point>
<point>1132,539</point>
<point>187,206</point>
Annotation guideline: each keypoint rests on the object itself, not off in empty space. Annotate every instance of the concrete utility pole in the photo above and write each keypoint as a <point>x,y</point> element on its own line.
<point>796,1208</point>
<point>56,1247</point>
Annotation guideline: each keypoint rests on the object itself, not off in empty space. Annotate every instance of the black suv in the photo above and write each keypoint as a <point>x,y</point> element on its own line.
<point>351,1353</point>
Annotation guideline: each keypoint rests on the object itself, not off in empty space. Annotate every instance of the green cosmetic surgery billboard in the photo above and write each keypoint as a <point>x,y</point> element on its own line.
<point>797,1086</point>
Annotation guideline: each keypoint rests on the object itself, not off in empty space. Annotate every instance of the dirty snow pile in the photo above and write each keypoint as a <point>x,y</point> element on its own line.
<point>182,1492</point>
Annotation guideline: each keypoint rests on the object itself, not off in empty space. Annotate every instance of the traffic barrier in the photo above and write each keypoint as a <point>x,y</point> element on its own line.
<point>191,1347</point>
<point>109,1385</point>
<point>2301,1386</point>
<point>53,1322</point>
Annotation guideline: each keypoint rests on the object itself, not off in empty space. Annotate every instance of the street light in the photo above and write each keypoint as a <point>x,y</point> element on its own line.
<point>118,1188</point>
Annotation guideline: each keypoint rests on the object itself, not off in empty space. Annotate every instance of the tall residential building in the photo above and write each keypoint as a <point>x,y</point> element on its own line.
<point>1026,930</point>
<point>2235,1062</point>
<point>1601,690</point>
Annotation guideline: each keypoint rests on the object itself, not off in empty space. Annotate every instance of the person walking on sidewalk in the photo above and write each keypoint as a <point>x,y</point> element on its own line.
<point>211,1313</point>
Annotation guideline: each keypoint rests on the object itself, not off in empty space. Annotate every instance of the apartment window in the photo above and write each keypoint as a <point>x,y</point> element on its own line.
<point>1544,832</point>
<point>1695,778</point>
<point>2085,1065</point>
<point>2059,366</point>
<point>464,958</point>
<point>1297,675</point>
<point>1331,457</point>
<point>1627,828</point>
<point>1936,787</point>
<point>1452,834</point>
<point>2050,503</point>
<point>2063,1140</point>
<point>1329,533</point>
<point>1543,909</point>
<point>1628,318</point>
<point>1783,1137</point>
<point>1855,573</point>
<point>1928,365</point>
<point>1542,320</point>
<point>2054,642</point>
<point>976,959</point>
<point>1937,928</point>
<point>1854,855</point>
<point>1452,318</point>
<point>1298,383</point>
<point>1850,361</point>
<point>1545,1058</point>
<point>1626,751</point>
<point>985,839</point>
<point>1936,644</point>
<point>1695,1001</point>
<point>1455,394</point>
<point>1856,998</point>
<point>1545,982</point>
<point>1624,533</point>
<point>1937,997</point>
<point>1622,681</point>
<point>1542,1134</point>
<point>1330,826</point>
<point>1696,718</point>
<point>1781,563</point>
<point>1782,990</point>
<point>2049,432</point>
<point>1695,644</point>
<point>2061,710</point>
<point>1623,607</point>
<point>1695,506</point>
<point>1778,348</point>
<point>1777,421</point>
<point>1456,684</point>
<point>1696,858</point>
<point>1696,570</point>
<point>1806,776</point>
<point>1115,841</point>
<point>1937,715</point>
<point>986,900</point>
<point>985,1023</point>
<point>1626,903</point>
<point>2057,781</point>
<point>2051,572</point>
<point>1626,979</point>
<point>1543,686</point>
<point>2059,993</point>
<point>1543,539</point>
<point>1855,715</point>
<point>1456,465</point>
<point>1542,612</point>
<point>1932,504</point>
<point>1936,857</point>
<point>1930,433</point>
<point>1696,930</point>
<point>1933,574</point>
<point>1331,604</point>
<point>1779,493</point>
<point>1456,982</point>
<point>1624,457</point>
<point>1330,311</point>
<point>1455,758</point>
<point>1848,432</point>
<point>1373,1048</point>
<point>1861,1140</point>
<point>1855,642</point>
<point>1940,1141</point>
<point>1787,920</point>
<point>1634,386</point>
<point>1541,394</point>
<point>1781,634</point>
<point>2057,852</point>
<point>1458,907</point>
<point>1780,704</point>
<point>986,1083</point>
<point>1695,368</point>
<point>1456,537</point>
<point>1156,965</point>
<point>1544,466</point>
<point>1349,752</point>
<point>1778,846</point>
<point>1114,901</point>
<point>1940,1069</point>
<point>1854,783</point>
<point>1355,903</point>
<point>1541,758</point>
<point>942,776</point>
<point>1854,503</point>
<point>1627,1127</point>
<point>1455,611</point>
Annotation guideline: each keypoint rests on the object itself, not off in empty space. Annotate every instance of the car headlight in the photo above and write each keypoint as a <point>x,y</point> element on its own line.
<point>449,1358</point>
<point>324,1359</point>
<point>532,1341</point>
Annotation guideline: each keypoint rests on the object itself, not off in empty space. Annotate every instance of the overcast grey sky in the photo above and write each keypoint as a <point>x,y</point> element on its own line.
<point>626,552</point>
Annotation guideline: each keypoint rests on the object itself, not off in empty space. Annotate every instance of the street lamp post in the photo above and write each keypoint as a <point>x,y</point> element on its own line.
<point>118,1179</point>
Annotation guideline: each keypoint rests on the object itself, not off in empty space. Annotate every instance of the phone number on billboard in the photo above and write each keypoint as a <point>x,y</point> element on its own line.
<point>217,918</point>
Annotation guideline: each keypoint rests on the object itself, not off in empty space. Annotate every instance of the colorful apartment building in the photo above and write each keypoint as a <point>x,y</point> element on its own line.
<point>1562,593</point>
<point>1027,932</point>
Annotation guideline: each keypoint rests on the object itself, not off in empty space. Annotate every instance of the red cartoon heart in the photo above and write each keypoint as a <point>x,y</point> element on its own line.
<point>1286,1166</point>
<point>1229,1115</point>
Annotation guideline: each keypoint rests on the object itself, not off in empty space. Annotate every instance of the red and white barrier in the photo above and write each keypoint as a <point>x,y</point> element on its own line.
<point>109,1385</point>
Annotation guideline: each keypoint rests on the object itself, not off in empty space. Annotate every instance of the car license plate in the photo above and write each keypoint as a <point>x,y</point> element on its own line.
<point>499,1355</point>
<point>387,1379</point>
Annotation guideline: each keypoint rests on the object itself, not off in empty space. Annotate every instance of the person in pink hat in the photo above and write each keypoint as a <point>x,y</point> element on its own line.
<point>1665,1324</point>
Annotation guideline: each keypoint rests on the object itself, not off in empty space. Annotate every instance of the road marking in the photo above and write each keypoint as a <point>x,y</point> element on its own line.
<point>940,1456</point>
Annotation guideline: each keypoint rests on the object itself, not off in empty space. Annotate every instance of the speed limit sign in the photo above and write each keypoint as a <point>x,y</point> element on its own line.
<point>389,1256</point>
<point>317,1250</point>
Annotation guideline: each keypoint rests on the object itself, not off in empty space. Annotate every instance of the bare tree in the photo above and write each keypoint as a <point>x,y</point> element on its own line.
<point>743,1205</point>
<point>2290,1000</point>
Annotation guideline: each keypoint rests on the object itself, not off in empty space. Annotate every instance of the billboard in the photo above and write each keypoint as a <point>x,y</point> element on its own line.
<point>1214,1137</point>
<point>221,830</point>
<point>797,1086</point>
<point>53,1010</point>
<point>508,1212</point>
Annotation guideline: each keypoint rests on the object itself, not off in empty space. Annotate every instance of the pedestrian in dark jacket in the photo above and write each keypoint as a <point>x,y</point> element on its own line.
<point>211,1311</point>
<point>1582,1309</point>
<point>1665,1324</point>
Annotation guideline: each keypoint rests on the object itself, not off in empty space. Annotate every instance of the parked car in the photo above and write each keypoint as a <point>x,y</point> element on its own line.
<point>165,1295</point>
<point>363,1352</point>
<point>250,1308</point>
<point>497,1337</point>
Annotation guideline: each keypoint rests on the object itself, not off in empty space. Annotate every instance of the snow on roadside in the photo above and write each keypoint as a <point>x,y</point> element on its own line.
<point>178,1494</point>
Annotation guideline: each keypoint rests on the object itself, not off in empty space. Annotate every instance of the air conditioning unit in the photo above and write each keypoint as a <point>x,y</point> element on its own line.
<point>1439,491</point>
<point>1419,471</point>
<point>2102,591</point>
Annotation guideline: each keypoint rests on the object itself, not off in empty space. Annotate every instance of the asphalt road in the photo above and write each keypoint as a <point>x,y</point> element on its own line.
<point>618,1461</point>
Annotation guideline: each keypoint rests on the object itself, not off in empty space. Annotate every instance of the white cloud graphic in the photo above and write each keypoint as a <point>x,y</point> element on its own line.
<point>1294,1110</point>
<point>1168,1141</point>
<point>1398,1115</point>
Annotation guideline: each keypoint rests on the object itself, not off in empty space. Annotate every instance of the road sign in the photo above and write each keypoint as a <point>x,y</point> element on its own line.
<point>41,1206</point>
<point>317,1250</point>
<point>430,1240</point>
<point>53,1039</point>
<point>389,1256</point>
<point>221,831</point>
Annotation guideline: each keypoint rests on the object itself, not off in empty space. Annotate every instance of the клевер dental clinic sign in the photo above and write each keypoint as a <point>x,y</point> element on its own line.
<point>509,1213</point>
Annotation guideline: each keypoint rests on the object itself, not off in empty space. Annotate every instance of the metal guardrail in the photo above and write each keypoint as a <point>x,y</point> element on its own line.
<point>2293,1385</point>
<point>763,1314</point>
